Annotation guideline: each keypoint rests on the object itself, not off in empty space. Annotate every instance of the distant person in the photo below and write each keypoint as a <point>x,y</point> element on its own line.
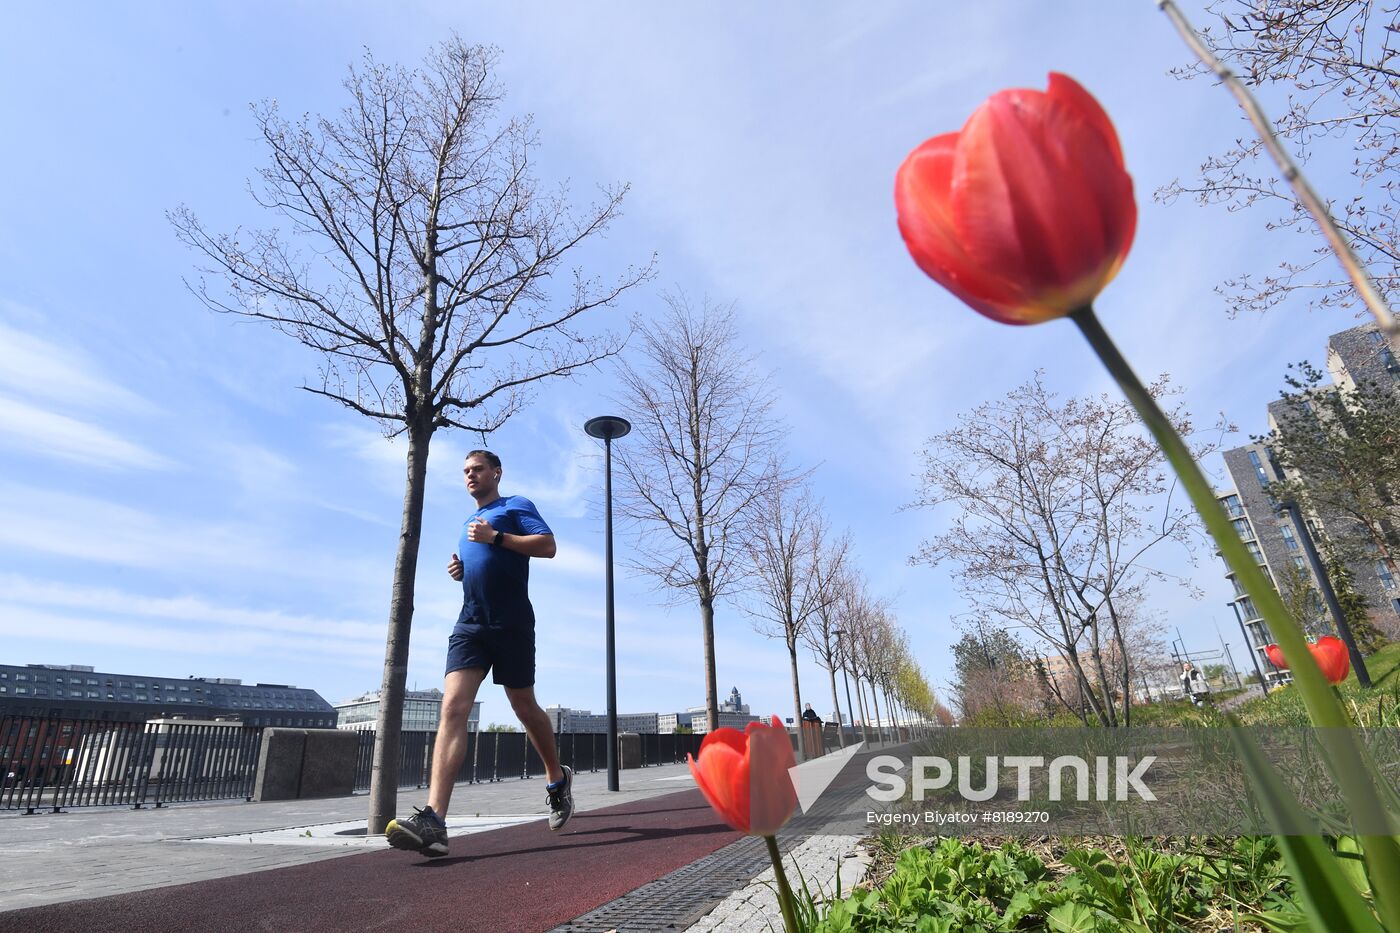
<point>495,632</point>
<point>810,715</point>
<point>1194,685</point>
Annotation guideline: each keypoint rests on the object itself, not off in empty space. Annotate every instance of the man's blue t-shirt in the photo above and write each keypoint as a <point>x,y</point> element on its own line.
<point>495,581</point>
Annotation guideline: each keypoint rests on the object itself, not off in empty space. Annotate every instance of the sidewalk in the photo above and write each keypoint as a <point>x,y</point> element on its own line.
<point>306,865</point>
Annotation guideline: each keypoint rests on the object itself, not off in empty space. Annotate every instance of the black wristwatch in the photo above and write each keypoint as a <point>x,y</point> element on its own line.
<point>496,541</point>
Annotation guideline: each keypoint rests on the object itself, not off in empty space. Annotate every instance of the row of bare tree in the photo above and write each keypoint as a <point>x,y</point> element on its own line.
<point>720,514</point>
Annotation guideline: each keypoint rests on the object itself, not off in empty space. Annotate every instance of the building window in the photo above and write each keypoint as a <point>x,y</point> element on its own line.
<point>1387,357</point>
<point>1394,603</point>
<point>1383,571</point>
<point>1254,551</point>
<point>1299,561</point>
<point>1259,469</point>
<point>1290,540</point>
<point>1243,530</point>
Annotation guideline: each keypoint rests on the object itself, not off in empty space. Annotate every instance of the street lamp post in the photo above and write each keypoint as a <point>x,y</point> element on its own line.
<point>1329,595</point>
<point>846,680</point>
<point>608,427</point>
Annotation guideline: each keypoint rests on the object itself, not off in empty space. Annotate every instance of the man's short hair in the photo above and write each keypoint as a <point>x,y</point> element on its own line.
<point>486,455</point>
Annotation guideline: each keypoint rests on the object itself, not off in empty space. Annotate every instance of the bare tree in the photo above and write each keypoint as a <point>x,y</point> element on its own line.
<point>1333,65</point>
<point>425,280</point>
<point>787,549</point>
<point>1056,505</point>
<point>869,626</point>
<point>706,458</point>
<point>832,574</point>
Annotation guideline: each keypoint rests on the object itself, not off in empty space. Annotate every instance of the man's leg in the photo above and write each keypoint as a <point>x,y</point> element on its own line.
<point>537,727</point>
<point>458,695</point>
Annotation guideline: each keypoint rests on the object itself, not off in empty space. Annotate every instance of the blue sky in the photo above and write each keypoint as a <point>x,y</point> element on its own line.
<point>172,503</point>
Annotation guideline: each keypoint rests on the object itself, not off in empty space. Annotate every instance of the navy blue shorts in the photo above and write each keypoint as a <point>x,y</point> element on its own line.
<point>508,652</point>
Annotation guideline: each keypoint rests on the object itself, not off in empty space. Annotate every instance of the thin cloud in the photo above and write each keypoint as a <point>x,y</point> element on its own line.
<point>43,433</point>
<point>108,603</point>
<point>61,374</point>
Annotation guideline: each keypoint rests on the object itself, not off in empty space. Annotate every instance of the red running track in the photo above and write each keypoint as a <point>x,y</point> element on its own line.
<point>520,879</point>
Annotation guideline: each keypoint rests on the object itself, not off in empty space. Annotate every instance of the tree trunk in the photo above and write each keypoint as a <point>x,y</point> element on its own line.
<point>1105,684</point>
<point>707,625</point>
<point>864,717</point>
<point>1126,679</point>
<point>875,711</point>
<point>836,705</point>
<point>796,696</point>
<point>384,780</point>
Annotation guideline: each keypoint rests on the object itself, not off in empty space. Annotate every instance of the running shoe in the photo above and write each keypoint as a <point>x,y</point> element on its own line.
<point>424,832</point>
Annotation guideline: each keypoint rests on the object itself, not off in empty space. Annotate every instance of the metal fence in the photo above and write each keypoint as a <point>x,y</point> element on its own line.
<point>58,763</point>
<point>500,756</point>
<point>61,763</point>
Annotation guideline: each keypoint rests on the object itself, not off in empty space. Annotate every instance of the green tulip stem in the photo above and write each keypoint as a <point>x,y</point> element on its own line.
<point>1355,775</point>
<point>784,891</point>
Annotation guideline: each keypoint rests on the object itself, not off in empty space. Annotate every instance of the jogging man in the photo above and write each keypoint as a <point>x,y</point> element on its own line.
<point>495,632</point>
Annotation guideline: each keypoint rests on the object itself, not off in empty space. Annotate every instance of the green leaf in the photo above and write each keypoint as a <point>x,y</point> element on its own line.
<point>1282,922</point>
<point>1328,899</point>
<point>1072,918</point>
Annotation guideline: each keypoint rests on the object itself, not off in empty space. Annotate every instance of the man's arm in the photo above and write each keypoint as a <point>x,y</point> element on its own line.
<point>529,545</point>
<point>481,532</point>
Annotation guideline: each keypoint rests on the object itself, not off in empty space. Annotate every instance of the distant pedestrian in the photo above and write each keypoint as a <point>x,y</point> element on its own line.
<point>495,631</point>
<point>810,715</point>
<point>1193,685</point>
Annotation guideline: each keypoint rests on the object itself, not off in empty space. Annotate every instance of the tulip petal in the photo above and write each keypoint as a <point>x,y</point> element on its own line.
<point>925,221</point>
<point>722,774</point>
<point>1039,193</point>
<point>1064,89</point>
<point>1332,658</point>
<point>772,798</point>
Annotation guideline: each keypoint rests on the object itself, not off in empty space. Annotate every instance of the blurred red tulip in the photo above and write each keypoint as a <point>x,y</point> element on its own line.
<point>744,776</point>
<point>1027,212</point>
<point>1329,651</point>
<point>1331,654</point>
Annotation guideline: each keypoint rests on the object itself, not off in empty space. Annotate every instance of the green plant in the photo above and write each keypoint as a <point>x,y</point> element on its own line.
<point>954,886</point>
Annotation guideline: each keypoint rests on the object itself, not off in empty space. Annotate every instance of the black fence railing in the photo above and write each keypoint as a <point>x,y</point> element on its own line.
<point>500,756</point>
<point>62,763</point>
<point>59,763</point>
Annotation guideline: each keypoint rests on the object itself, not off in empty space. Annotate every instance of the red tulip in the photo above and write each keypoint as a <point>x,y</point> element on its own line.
<point>1331,655</point>
<point>744,776</point>
<point>1027,212</point>
<point>1329,651</point>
